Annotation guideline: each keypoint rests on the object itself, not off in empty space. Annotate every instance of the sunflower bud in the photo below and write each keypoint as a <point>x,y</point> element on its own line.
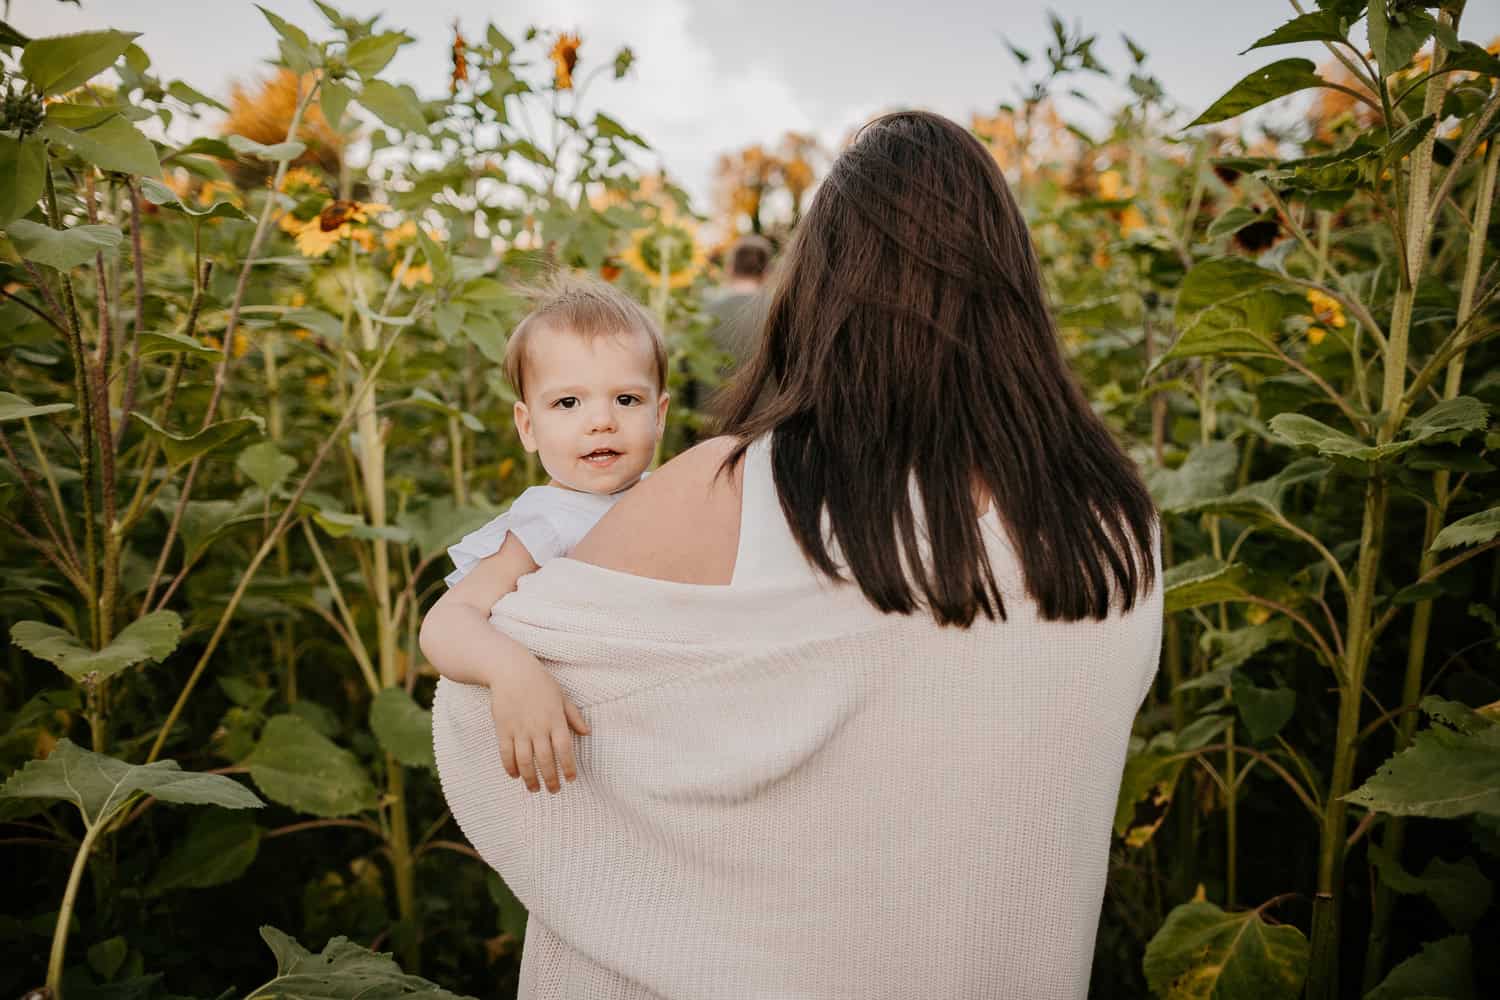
<point>21,112</point>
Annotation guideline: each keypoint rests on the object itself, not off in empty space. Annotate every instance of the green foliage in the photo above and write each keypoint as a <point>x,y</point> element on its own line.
<point>151,637</point>
<point>300,408</point>
<point>1451,769</point>
<point>297,766</point>
<point>1443,968</point>
<point>101,786</point>
<point>56,65</point>
<point>1286,76</point>
<point>62,248</point>
<point>341,971</point>
<point>1203,952</point>
<point>403,728</point>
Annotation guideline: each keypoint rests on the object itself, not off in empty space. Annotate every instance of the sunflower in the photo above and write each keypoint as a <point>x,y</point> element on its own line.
<point>564,58</point>
<point>683,260</point>
<point>337,221</point>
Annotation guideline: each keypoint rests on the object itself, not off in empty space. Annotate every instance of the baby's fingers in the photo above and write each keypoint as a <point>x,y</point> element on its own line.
<point>525,764</point>
<point>508,755</point>
<point>546,765</point>
<point>562,747</point>
<point>575,718</point>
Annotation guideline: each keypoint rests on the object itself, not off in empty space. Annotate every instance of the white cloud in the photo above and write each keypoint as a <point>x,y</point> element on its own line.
<point>679,96</point>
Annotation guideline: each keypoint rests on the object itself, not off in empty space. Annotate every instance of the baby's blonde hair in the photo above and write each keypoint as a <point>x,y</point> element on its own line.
<point>585,306</point>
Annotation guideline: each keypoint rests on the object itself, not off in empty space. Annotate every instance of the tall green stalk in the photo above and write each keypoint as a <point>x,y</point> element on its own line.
<point>1395,827</point>
<point>1323,974</point>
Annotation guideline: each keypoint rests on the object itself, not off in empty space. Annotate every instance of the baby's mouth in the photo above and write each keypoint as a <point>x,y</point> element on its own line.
<point>601,456</point>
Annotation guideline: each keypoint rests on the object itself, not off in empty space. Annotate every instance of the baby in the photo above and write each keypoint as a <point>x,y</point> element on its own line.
<point>588,365</point>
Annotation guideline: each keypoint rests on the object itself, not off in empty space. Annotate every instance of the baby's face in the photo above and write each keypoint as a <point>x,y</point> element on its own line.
<point>593,410</point>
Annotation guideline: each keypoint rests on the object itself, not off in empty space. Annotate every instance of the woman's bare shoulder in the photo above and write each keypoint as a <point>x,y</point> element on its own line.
<point>681,523</point>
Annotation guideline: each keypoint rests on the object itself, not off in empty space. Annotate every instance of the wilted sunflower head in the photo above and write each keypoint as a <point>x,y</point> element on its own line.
<point>564,58</point>
<point>1258,236</point>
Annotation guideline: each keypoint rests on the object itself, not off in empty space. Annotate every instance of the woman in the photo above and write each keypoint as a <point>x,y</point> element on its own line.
<point>860,673</point>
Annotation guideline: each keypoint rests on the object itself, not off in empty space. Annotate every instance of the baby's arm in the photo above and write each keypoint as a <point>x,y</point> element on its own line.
<point>532,716</point>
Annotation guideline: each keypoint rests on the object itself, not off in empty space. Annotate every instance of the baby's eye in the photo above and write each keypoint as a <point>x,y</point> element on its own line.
<point>565,402</point>
<point>628,399</point>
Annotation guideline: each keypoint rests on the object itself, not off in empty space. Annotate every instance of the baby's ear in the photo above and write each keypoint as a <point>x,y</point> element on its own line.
<point>522,417</point>
<point>661,413</point>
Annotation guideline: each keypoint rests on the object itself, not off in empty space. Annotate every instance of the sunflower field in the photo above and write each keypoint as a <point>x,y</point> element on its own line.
<point>253,392</point>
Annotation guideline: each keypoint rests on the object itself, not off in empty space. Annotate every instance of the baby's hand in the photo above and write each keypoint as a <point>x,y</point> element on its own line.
<point>532,719</point>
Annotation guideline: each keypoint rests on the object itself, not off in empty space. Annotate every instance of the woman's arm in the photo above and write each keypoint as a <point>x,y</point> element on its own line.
<point>682,523</point>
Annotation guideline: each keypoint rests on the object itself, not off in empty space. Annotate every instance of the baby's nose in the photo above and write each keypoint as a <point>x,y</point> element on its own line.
<point>602,418</point>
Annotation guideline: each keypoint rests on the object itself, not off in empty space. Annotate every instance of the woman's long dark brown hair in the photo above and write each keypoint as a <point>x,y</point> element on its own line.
<point>908,333</point>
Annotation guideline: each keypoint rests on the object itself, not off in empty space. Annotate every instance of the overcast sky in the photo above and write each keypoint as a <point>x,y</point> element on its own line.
<point>716,75</point>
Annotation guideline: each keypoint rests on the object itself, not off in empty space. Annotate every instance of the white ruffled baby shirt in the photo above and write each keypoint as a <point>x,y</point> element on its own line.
<point>549,521</point>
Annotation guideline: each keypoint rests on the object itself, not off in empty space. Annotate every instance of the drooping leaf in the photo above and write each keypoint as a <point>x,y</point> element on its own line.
<point>1460,891</point>
<point>403,728</point>
<point>1442,969</point>
<point>297,766</point>
<point>159,194</point>
<point>398,107</point>
<point>181,449</point>
<point>23,168</point>
<point>62,248</point>
<point>1286,76</point>
<point>13,407</point>
<point>114,144</point>
<point>1444,773</point>
<point>1475,529</point>
<point>341,971</point>
<point>274,153</point>
<point>100,786</point>
<point>59,63</point>
<point>151,637</point>
<point>217,848</point>
<point>1201,951</point>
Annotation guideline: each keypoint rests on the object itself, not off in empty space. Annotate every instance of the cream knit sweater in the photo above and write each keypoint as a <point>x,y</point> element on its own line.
<point>790,795</point>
